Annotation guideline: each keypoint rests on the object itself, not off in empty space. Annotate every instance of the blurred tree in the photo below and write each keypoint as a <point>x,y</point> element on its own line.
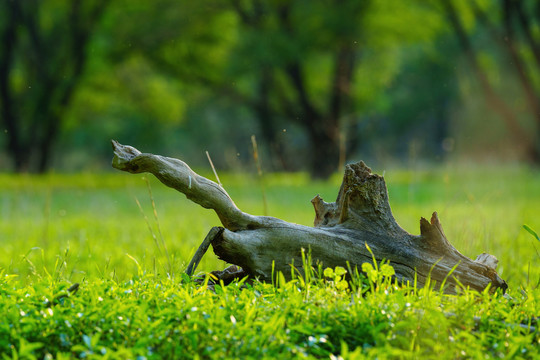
<point>420,101</point>
<point>43,53</point>
<point>287,62</point>
<point>510,25</point>
<point>327,64</point>
<point>261,54</point>
<point>306,70</point>
<point>309,77</point>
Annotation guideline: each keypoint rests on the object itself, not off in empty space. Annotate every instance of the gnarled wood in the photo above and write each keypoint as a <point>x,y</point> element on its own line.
<point>360,215</point>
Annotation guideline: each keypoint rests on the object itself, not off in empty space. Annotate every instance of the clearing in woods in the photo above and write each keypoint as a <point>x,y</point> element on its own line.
<point>134,302</point>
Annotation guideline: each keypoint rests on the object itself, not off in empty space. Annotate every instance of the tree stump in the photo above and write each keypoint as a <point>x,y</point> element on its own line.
<point>360,215</point>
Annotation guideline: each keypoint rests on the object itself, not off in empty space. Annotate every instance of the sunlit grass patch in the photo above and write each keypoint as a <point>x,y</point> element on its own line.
<point>309,317</point>
<point>58,230</point>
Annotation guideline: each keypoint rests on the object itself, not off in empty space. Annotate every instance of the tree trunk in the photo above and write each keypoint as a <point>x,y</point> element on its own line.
<point>342,232</point>
<point>324,143</point>
<point>31,134</point>
<point>525,22</point>
<point>525,80</point>
<point>493,99</point>
<point>8,39</point>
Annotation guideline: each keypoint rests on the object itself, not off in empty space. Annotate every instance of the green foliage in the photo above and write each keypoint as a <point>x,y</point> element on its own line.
<point>375,275</point>
<point>159,318</point>
<point>337,277</point>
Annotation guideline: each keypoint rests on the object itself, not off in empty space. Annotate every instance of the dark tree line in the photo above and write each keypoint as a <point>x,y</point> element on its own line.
<point>40,67</point>
<point>278,43</point>
<point>304,63</point>
<point>292,98</point>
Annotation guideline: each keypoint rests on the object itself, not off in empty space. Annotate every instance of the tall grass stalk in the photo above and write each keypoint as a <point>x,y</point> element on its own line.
<point>161,252</point>
<point>163,244</point>
<point>535,235</point>
<point>213,168</point>
<point>259,173</point>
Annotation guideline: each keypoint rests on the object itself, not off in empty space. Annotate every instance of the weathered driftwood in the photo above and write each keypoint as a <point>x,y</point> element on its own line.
<point>361,215</point>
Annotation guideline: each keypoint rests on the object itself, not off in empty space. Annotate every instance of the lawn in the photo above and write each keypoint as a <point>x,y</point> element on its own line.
<point>134,302</point>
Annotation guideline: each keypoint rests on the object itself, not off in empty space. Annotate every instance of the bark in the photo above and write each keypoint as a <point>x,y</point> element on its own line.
<point>361,215</point>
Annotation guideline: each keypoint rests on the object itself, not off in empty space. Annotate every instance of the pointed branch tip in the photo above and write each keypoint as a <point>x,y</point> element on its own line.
<point>435,218</point>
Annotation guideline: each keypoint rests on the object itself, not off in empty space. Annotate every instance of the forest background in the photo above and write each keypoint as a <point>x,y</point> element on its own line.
<point>319,83</point>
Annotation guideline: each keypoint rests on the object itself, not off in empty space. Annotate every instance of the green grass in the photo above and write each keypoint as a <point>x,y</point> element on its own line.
<point>57,230</point>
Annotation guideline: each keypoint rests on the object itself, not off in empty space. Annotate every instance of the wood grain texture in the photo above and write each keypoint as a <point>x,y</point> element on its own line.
<point>360,215</point>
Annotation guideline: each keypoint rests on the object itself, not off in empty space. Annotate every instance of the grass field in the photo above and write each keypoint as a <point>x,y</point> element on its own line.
<point>133,301</point>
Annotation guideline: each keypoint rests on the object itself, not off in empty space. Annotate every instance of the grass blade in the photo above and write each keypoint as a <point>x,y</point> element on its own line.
<point>260,173</point>
<point>159,227</point>
<point>213,168</point>
<point>531,231</point>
